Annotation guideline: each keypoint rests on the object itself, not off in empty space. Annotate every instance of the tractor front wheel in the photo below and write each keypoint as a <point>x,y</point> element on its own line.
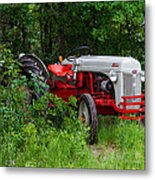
<point>88,114</point>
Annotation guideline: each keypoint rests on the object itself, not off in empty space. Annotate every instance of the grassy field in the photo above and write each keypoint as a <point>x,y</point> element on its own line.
<point>120,146</point>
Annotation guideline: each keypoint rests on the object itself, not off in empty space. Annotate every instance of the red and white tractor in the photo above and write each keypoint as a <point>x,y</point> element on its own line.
<point>107,85</point>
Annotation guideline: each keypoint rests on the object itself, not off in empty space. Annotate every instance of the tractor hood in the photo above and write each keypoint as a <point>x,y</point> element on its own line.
<point>105,63</point>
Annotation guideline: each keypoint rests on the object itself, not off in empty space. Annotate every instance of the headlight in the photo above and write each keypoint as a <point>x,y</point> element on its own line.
<point>143,76</point>
<point>113,76</point>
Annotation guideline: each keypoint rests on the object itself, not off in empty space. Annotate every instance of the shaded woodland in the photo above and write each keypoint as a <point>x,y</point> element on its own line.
<point>53,29</point>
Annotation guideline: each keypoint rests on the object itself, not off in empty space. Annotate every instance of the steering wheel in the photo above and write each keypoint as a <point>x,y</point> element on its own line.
<point>77,52</point>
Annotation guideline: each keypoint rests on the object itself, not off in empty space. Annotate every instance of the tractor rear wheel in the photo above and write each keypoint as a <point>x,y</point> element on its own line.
<point>34,69</point>
<point>88,114</point>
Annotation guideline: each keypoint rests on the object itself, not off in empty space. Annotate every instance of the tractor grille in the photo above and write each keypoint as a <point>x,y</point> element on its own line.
<point>128,82</point>
<point>130,91</point>
<point>138,84</point>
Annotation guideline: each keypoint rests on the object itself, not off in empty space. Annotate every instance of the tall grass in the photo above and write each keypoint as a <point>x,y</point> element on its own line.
<point>121,144</point>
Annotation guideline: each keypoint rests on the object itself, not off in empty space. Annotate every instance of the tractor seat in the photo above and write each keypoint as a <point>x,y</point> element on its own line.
<point>60,70</point>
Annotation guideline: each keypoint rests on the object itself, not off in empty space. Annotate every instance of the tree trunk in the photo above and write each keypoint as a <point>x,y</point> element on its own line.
<point>61,31</point>
<point>26,44</point>
<point>41,29</point>
<point>50,37</point>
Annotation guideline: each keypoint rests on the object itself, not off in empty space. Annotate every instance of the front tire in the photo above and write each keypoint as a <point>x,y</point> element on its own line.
<point>88,114</point>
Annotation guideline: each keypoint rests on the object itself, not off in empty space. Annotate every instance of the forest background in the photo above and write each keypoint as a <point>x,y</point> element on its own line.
<point>53,29</point>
